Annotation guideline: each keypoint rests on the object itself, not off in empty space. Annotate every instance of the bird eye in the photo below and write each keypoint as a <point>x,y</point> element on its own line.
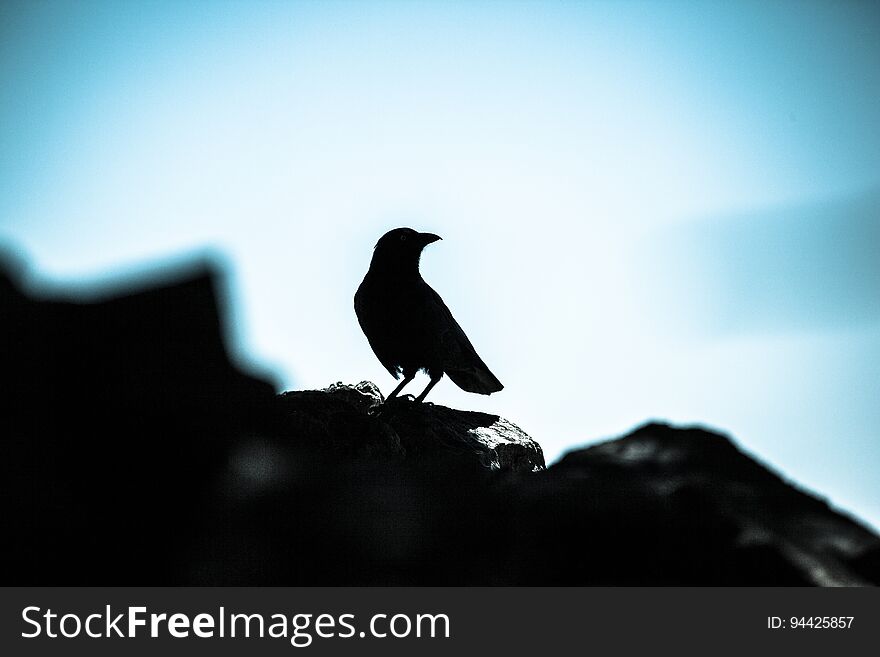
<point>403,238</point>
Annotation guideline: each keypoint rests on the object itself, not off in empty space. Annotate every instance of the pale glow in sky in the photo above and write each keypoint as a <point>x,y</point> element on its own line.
<point>649,210</point>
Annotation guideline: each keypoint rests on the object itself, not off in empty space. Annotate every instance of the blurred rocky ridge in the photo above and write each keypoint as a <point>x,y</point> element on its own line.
<point>136,452</point>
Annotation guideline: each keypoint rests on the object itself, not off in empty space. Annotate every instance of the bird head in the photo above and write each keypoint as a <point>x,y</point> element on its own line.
<point>401,248</point>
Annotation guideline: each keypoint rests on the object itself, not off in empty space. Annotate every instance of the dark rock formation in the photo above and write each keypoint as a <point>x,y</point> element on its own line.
<point>136,452</point>
<point>684,505</point>
<point>351,421</point>
<point>116,412</point>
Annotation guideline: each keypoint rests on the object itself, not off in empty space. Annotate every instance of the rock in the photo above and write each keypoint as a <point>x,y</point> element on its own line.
<point>117,412</point>
<point>351,421</point>
<point>335,422</point>
<point>674,505</point>
<point>432,432</point>
<point>867,563</point>
<point>134,441</point>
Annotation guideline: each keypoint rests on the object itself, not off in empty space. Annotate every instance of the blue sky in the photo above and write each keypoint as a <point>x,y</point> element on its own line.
<point>649,210</point>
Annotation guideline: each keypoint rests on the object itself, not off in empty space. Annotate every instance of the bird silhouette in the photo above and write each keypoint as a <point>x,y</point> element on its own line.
<point>408,325</point>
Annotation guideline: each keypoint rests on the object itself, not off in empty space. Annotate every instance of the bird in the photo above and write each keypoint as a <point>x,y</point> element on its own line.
<point>408,325</point>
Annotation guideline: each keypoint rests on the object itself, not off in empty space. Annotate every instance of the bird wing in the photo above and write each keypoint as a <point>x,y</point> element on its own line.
<point>373,327</point>
<point>460,360</point>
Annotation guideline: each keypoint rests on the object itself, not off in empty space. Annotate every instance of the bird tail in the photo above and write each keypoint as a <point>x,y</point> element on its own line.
<point>479,380</point>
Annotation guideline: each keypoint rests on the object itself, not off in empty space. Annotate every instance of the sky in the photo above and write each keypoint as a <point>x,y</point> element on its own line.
<point>662,210</point>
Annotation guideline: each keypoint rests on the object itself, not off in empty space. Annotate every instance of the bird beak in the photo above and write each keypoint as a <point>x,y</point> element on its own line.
<point>428,238</point>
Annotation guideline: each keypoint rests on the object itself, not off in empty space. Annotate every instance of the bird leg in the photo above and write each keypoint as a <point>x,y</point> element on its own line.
<point>406,379</point>
<point>430,385</point>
